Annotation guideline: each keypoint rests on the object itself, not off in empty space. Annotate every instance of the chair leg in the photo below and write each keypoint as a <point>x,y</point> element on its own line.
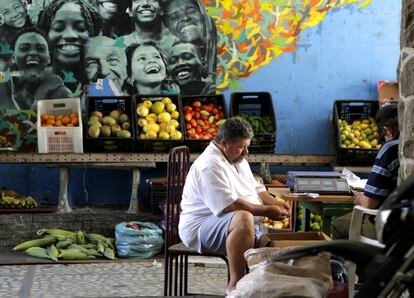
<point>170,278</point>
<point>186,275</point>
<point>181,275</point>
<point>176,259</point>
<point>166,268</point>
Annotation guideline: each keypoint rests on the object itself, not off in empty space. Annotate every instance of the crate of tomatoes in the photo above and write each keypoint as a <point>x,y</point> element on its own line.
<point>203,116</point>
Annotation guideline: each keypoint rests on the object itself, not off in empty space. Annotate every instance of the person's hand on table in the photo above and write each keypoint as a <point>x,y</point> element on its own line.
<point>277,212</point>
<point>364,201</point>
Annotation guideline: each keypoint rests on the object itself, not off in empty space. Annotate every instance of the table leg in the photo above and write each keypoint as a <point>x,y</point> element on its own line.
<point>63,205</point>
<point>133,204</point>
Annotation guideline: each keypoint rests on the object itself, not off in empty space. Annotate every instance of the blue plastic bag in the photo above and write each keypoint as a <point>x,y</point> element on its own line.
<point>134,243</point>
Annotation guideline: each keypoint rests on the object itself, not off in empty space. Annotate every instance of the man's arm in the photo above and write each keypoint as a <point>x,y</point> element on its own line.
<point>365,201</point>
<point>271,211</point>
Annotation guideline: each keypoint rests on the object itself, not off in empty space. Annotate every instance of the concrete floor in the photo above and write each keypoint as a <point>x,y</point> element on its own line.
<point>24,278</point>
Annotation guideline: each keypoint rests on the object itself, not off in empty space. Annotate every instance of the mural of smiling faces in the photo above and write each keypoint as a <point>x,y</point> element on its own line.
<point>187,69</point>
<point>114,17</point>
<point>14,13</point>
<point>146,68</point>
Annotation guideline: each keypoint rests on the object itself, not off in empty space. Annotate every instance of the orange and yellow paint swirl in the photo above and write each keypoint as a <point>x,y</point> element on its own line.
<point>252,33</point>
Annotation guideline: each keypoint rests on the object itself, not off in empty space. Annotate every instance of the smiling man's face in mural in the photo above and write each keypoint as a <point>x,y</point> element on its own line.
<point>185,63</point>
<point>68,33</point>
<point>105,61</point>
<point>184,19</point>
<point>31,53</point>
<point>146,11</point>
<point>148,68</point>
<point>14,13</point>
<point>109,9</point>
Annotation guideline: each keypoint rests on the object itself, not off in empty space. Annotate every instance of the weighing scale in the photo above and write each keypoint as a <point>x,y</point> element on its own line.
<point>323,183</point>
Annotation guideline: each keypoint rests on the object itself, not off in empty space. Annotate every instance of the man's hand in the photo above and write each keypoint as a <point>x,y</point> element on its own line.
<point>277,212</point>
<point>364,201</point>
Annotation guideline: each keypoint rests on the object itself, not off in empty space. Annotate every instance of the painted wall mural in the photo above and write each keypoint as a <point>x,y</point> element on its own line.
<point>252,33</point>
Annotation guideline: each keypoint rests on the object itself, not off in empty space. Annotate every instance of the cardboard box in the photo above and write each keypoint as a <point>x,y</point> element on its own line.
<point>388,90</point>
<point>297,238</point>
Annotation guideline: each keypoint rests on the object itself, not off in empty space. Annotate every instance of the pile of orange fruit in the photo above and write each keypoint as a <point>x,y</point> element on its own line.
<point>62,120</point>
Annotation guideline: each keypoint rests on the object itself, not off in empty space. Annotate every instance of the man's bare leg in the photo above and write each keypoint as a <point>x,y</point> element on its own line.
<point>240,239</point>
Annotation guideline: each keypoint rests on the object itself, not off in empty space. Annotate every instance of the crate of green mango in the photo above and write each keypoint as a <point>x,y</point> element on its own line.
<point>257,109</point>
<point>356,131</point>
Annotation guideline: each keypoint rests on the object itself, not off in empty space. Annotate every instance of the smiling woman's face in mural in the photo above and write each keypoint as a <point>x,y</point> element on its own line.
<point>14,13</point>
<point>31,53</point>
<point>184,19</point>
<point>68,33</point>
<point>145,11</point>
<point>148,68</point>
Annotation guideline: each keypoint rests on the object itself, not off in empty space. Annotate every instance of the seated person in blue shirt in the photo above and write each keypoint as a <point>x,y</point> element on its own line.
<point>382,179</point>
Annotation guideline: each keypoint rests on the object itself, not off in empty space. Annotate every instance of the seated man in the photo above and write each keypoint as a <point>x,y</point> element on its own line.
<point>222,203</point>
<point>383,177</point>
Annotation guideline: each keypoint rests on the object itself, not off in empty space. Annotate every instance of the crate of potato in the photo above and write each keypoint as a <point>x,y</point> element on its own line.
<point>203,116</point>
<point>109,124</point>
<point>285,225</point>
<point>159,123</point>
<point>356,131</point>
<point>59,126</point>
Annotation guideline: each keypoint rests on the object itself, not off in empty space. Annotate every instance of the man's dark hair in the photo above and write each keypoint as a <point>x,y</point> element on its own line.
<point>387,116</point>
<point>89,13</point>
<point>234,129</point>
<point>30,29</point>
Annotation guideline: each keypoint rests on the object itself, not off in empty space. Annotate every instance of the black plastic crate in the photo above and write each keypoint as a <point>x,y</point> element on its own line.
<point>197,143</point>
<point>350,110</point>
<point>257,108</point>
<point>106,104</point>
<point>157,144</point>
<point>158,194</point>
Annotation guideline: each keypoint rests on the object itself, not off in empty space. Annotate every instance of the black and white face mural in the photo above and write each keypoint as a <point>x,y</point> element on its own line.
<point>72,48</point>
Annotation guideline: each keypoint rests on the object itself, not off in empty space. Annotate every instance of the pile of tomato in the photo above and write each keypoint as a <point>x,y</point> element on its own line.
<point>202,121</point>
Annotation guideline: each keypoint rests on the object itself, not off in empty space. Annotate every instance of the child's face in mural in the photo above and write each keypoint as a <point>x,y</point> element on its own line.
<point>31,53</point>
<point>185,63</point>
<point>68,33</point>
<point>145,11</point>
<point>105,62</point>
<point>108,9</point>
<point>184,19</point>
<point>147,67</point>
<point>14,13</point>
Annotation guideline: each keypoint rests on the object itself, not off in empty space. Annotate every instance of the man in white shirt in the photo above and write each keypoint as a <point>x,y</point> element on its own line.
<point>222,203</point>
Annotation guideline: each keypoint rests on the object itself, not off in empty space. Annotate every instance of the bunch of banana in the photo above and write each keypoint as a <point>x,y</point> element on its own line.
<point>11,199</point>
<point>67,245</point>
<point>4,142</point>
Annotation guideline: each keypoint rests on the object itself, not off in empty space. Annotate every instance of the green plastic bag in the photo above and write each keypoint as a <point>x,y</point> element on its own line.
<point>138,243</point>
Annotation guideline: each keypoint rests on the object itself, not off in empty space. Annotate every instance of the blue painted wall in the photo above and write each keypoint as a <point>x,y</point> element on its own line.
<point>342,58</point>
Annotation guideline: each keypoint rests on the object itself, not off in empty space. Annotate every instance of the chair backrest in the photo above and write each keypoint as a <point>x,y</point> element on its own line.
<point>177,169</point>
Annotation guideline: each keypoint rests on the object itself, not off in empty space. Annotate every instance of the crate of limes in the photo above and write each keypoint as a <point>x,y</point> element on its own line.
<point>356,131</point>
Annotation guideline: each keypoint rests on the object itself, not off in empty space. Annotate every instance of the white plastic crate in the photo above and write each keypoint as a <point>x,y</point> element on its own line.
<point>59,139</point>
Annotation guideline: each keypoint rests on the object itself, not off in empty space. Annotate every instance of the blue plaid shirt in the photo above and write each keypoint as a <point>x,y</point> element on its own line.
<point>383,177</point>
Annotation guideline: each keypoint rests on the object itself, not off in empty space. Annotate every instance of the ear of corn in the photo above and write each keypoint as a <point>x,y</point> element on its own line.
<point>78,247</point>
<point>64,243</point>
<point>53,252</point>
<point>35,243</point>
<point>38,252</point>
<point>109,253</point>
<point>57,232</point>
<point>74,254</point>
<point>101,246</point>
<point>80,237</point>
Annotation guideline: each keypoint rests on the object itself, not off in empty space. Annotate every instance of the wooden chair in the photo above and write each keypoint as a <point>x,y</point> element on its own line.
<point>355,233</point>
<point>176,253</point>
